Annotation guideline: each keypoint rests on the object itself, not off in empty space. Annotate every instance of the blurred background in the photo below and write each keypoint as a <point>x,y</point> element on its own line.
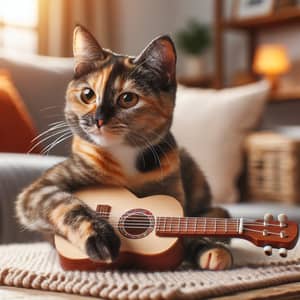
<point>45,27</point>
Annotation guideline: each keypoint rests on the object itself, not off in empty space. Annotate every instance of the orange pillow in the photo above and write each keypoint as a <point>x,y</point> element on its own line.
<point>16,127</point>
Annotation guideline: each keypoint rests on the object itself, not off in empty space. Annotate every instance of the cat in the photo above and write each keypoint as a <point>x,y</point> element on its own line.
<point>119,109</point>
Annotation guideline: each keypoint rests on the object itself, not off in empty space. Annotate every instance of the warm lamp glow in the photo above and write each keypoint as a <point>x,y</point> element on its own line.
<point>271,60</point>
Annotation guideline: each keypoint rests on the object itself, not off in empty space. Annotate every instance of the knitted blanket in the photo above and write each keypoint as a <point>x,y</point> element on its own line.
<point>36,266</point>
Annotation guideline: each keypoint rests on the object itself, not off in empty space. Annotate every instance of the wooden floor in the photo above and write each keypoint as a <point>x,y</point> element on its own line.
<point>289,291</point>
<point>12,293</point>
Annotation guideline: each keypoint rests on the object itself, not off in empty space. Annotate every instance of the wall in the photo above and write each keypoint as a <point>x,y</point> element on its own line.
<point>138,21</point>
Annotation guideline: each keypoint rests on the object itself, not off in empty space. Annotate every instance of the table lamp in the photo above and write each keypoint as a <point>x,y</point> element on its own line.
<point>271,61</point>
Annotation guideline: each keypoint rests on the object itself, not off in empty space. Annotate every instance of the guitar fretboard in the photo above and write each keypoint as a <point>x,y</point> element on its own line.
<point>189,226</point>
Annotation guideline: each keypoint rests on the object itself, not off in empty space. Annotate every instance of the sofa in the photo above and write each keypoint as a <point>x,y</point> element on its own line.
<point>42,81</point>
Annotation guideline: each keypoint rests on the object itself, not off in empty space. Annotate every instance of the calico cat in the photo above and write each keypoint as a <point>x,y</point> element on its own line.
<point>120,110</point>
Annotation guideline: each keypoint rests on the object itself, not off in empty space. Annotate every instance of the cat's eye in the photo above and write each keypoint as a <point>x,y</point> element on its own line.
<point>128,100</point>
<point>87,95</point>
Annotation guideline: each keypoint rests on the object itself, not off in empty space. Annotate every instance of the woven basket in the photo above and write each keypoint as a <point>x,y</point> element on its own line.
<point>273,167</point>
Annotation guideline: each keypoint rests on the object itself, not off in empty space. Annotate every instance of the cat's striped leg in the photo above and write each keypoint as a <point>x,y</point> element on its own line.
<point>48,205</point>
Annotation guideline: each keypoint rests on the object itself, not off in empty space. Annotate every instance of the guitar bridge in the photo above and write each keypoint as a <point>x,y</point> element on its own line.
<point>103,210</point>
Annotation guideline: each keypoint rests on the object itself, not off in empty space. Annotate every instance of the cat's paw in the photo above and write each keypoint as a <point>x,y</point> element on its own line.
<point>103,243</point>
<point>218,258</point>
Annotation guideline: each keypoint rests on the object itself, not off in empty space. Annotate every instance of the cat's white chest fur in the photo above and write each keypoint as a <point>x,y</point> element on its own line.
<point>126,156</point>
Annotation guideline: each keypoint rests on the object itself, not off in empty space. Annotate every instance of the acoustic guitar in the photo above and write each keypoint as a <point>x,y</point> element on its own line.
<point>151,229</point>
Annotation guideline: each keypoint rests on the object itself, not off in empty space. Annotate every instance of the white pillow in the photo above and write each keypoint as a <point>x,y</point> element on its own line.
<point>212,125</point>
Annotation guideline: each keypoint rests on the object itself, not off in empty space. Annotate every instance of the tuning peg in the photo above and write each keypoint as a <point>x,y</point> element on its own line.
<point>283,234</point>
<point>265,232</point>
<point>282,218</point>
<point>283,252</point>
<point>268,250</point>
<point>268,217</point>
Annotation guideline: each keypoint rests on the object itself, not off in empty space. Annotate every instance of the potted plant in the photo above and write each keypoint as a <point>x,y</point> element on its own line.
<point>193,40</point>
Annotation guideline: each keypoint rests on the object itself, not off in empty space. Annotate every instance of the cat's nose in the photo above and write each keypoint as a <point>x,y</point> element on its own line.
<point>99,123</point>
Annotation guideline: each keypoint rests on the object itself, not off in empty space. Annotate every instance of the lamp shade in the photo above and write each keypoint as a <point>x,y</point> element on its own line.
<point>271,60</point>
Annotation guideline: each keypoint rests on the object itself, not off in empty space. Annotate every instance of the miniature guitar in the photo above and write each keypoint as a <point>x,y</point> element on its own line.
<point>151,229</point>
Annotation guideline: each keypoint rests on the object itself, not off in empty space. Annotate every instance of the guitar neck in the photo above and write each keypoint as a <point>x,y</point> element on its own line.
<point>198,226</point>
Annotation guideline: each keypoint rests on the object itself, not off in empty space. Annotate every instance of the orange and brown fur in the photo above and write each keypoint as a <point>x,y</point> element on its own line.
<point>120,110</point>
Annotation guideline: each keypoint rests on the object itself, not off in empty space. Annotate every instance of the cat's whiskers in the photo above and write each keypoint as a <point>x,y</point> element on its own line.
<point>57,122</point>
<point>54,144</point>
<point>52,128</point>
<point>156,157</point>
<point>61,131</point>
<point>159,136</point>
<point>161,149</point>
<point>152,149</point>
<point>57,141</point>
<point>50,107</point>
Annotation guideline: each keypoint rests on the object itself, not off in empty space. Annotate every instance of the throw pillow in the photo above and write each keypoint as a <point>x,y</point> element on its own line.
<point>212,126</point>
<point>42,83</point>
<point>16,127</point>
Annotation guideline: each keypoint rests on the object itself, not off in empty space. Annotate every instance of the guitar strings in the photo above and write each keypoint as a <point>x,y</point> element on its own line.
<point>204,230</point>
<point>198,219</point>
<point>190,227</point>
<point>173,224</point>
<point>108,214</point>
<point>145,220</point>
<point>214,229</point>
<point>260,231</point>
<point>208,218</point>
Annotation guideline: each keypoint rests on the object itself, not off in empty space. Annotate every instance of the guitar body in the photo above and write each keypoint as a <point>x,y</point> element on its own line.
<point>140,247</point>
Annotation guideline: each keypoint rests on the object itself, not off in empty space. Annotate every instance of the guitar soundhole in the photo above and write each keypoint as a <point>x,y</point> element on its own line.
<point>136,223</point>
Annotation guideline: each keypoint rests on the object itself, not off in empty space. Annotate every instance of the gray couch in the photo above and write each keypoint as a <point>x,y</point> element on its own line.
<point>16,172</point>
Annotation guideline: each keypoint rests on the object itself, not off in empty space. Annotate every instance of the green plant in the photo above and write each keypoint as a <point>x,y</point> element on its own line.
<point>194,38</point>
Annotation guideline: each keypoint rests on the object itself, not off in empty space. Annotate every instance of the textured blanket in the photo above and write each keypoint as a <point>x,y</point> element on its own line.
<point>36,266</point>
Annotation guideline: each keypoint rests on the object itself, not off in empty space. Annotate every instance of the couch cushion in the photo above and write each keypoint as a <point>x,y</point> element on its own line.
<point>42,82</point>
<point>14,119</point>
<point>16,172</point>
<point>212,126</point>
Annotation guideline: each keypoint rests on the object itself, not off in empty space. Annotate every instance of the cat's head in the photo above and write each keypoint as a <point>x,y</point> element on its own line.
<point>116,99</point>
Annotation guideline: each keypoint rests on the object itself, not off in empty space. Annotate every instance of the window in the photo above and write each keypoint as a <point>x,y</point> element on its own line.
<point>18,25</point>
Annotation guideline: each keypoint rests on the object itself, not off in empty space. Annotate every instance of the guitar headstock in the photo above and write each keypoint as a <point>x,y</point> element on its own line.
<point>268,233</point>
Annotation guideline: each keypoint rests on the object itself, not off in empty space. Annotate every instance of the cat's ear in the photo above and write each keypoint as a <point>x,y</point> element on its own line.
<point>85,50</point>
<point>160,55</point>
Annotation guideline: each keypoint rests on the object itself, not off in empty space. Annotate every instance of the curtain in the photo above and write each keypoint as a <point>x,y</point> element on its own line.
<point>57,19</point>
